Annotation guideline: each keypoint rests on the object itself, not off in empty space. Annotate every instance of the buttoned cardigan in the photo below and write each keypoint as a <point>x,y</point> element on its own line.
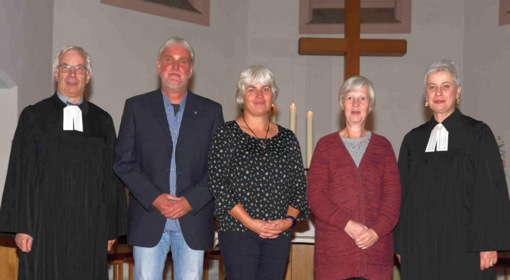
<point>338,191</point>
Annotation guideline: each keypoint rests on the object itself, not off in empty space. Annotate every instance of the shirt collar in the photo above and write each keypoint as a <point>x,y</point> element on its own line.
<point>449,122</point>
<point>66,100</point>
<point>182,104</point>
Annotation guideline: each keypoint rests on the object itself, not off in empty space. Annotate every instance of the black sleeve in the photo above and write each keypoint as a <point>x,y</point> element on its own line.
<point>298,183</point>
<point>220,184</point>
<point>489,205</point>
<point>403,167</point>
<point>114,193</point>
<point>17,211</point>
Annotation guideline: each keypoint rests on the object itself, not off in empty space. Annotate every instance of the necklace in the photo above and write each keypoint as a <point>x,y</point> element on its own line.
<point>262,142</point>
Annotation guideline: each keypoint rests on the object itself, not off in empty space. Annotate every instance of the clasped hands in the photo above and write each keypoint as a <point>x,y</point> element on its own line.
<point>170,206</point>
<point>363,236</point>
<point>269,229</point>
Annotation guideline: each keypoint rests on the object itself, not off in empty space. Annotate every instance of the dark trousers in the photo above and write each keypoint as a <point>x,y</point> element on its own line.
<point>249,257</point>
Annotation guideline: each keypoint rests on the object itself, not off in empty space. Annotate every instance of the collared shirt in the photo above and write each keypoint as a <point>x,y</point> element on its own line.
<point>66,100</point>
<point>174,124</point>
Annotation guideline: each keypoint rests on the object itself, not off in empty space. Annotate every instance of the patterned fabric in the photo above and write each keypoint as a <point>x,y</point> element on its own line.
<point>264,180</point>
<point>357,147</point>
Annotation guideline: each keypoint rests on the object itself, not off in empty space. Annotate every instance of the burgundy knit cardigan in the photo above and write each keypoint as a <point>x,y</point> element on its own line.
<point>338,191</point>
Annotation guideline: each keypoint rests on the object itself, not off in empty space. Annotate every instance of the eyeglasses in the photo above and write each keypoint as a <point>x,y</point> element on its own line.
<point>79,69</point>
<point>181,60</point>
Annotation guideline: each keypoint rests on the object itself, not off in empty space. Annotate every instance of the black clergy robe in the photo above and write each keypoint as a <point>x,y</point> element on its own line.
<point>454,203</point>
<point>62,191</point>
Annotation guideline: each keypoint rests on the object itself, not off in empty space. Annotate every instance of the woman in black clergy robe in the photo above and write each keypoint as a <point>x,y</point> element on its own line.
<point>455,211</point>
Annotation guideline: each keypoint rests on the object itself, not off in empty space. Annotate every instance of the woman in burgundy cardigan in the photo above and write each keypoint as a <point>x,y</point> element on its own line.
<point>354,193</point>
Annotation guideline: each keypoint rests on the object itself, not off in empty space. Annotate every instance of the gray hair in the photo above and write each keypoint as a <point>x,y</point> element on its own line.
<point>354,84</point>
<point>445,65</point>
<point>173,41</point>
<point>65,49</point>
<point>252,75</point>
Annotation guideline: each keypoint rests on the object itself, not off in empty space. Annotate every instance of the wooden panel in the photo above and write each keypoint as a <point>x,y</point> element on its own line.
<point>302,262</point>
<point>322,46</point>
<point>8,258</point>
<point>383,47</point>
<point>368,47</point>
<point>352,34</point>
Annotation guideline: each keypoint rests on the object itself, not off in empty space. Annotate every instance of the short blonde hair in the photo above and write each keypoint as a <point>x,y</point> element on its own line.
<point>255,74</point>
<point>354,84</point>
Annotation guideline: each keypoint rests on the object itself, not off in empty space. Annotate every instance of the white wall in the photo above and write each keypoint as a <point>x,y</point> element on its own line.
<point>124,44</point>
<point>25,56</point>
<point>312,82</point>
<point>9,117</point>
<point>26,28</point>
<point>486,91</point>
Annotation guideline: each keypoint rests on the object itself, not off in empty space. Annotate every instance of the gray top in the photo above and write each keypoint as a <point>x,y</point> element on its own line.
<point>357,146</point>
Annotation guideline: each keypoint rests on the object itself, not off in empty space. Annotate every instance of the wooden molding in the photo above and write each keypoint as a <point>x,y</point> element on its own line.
<point>201,17</point>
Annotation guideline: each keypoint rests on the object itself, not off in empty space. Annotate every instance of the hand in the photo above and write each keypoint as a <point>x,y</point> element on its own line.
<point>274,228</point>
<point>398,257</point>
<point>486,258</point>
<point>354,229</point>
<point>178,208</point>
<point>110,244</point>
<point>367,239</point>
<point>24,242</point>
<point>162,202</point>
<point>263,229</point>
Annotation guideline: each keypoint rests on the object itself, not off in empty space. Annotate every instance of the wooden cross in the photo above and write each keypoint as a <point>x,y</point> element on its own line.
<point>352,46</point>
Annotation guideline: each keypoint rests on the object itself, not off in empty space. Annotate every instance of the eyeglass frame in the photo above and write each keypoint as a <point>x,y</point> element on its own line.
<point>68,68</point>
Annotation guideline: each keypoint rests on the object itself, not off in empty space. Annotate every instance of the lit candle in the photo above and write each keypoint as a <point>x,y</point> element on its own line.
<point>273,113</point>
<point>292,118</point>
<point>309,138</point>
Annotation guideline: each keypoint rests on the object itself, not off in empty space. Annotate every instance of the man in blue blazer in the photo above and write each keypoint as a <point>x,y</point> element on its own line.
<point>161,155</point>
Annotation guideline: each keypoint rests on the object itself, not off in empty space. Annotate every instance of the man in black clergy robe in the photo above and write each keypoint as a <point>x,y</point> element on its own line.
<point>62,199</point>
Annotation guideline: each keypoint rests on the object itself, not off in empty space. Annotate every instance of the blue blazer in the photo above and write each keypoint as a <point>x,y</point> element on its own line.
<point>143,152</point>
